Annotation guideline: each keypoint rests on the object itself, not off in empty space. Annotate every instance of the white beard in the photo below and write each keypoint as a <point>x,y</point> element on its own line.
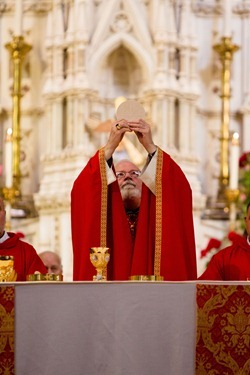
<point>131,193</point>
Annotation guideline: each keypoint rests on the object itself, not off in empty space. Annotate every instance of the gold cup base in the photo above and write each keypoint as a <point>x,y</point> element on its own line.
<point>99,278</point>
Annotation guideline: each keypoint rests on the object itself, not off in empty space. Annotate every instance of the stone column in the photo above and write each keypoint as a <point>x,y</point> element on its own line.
<point>184,127</point>
<point>171,121</point>
<point>57,125</point>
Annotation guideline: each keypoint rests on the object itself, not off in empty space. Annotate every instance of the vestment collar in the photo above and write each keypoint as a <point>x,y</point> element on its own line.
<point>4,237</point>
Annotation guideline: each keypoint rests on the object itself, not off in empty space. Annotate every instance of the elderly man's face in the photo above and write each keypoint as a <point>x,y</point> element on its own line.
<point>129,182</point>
<point>52,262</point>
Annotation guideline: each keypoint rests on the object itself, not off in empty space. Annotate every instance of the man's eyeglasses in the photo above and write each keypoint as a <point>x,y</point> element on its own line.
<point>132,174</point>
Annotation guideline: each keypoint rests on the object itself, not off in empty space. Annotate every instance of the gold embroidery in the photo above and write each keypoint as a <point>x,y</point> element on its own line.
<point>104,201</point>
<point>158,220</point>
<point>6,328</point>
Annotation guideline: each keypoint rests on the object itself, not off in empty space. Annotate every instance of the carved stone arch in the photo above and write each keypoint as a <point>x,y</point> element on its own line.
<point>112,44</point>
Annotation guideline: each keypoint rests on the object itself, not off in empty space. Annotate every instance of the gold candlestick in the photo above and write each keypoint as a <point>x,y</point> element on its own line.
<point>217,208</point>
<point>18,50</point>
<point>225,49</point>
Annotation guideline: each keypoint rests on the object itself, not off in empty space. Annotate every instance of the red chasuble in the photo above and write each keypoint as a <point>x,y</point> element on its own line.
<point>26,259</point>
<point>231,263</point>
<point>164,243</point>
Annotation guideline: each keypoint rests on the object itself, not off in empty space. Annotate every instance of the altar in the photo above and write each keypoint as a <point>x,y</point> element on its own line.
<point>110,328</point>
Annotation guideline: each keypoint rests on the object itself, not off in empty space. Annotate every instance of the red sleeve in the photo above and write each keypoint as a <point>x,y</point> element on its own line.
<point>26,260</point>
<point>178,253</point>
<point>33,261</point>
<point>85,218</point>
<point>214,270</point>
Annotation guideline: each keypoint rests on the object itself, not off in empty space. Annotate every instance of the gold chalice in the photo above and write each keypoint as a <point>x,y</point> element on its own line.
<point>99,257</point>
<point>7,271</point>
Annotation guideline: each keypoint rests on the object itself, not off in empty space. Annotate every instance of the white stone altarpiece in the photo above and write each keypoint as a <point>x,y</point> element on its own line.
<point>88,53</point>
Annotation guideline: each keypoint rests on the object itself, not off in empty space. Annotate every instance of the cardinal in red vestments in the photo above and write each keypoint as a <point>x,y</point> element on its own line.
<point>26,259</point>
<point>233,262</point>
<point>143,217</point>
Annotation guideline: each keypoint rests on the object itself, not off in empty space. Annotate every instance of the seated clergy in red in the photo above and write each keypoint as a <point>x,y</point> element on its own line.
<point>145,218</point>
<point>26,260</point>
<point>233,262</point>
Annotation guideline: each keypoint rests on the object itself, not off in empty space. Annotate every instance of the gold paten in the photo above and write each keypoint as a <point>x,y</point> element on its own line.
<point>99,257</point>
<point>44,277</point>
<point>146,278</point>
<point>7,272</point>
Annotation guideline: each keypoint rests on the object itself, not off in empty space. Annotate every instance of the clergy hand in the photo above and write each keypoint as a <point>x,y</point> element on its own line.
<point>143,132</point>
<point>118,129</point>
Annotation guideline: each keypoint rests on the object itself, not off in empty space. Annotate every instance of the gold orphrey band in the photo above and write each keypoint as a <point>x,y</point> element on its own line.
<point>104,202</point>
<point>158,219</point>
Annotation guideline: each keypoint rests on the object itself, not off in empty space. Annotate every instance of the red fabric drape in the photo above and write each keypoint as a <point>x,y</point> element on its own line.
<point>7,294</point>
<point>223,329</point>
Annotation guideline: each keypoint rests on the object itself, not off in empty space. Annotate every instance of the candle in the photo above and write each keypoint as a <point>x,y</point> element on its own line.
<point>18,22</point>
<point>227,19</point>
<point>8,159</point>
<point>234,162</point>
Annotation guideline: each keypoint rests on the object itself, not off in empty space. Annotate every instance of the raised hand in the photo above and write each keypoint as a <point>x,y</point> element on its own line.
<point>118,129</point>
<point>143,132</point>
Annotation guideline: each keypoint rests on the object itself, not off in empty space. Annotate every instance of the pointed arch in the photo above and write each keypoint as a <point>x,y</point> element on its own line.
<point>111,44</point>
